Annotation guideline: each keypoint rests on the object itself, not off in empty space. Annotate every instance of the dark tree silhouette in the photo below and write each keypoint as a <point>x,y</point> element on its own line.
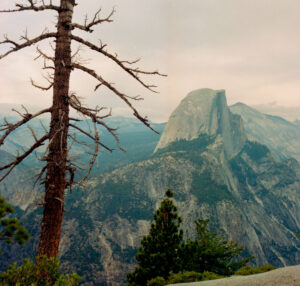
<point>209,252</point>
<point>58,172</point>
<point>10,228</point>
<point>159,253</point>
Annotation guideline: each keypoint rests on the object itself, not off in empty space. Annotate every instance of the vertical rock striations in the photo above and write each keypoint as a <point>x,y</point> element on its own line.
<point>204,111</point>
<point>215,171</point>
<point>280,135</point>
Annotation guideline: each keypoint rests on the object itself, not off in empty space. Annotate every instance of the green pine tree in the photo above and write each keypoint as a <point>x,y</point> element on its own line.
<point>209,252</point>
<point>159,253</point>
<point>10,228</point>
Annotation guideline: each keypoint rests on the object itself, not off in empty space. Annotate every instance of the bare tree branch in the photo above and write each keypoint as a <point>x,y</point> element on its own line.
<point>70,182</point>
<point>10,166</point>
<point>42,87</point>
<point>40,175</point>
<point>32,7</point>
<point>26,44</point>
<point>60,170</point>
<point>76,53</point>
<point>76,104</point>
<point>26,117</point>
<point>123,96</point>
<point>18,112</point>
<point>95,154</point>
<point>134,72</point>
<point>96,21</point>
<point>33,133</point>
<point>44,55</point>
<point>93,114</point>
<point>95,139</point>
<point>74,139</point>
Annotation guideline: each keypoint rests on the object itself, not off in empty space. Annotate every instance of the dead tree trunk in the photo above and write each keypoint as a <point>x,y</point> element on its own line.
<point>62,63</point>
<point>55,182</point>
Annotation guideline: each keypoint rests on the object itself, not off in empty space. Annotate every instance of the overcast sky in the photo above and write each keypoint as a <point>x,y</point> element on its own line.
<point>250,48</point>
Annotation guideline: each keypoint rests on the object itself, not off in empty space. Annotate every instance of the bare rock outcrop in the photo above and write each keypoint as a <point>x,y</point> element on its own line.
<point>286,276</point>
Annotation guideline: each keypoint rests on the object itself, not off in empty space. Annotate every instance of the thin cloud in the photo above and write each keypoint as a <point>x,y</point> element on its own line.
<point>251,48</point>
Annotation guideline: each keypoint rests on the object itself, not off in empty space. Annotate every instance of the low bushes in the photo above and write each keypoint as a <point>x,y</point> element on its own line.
<point>43,273</point>
<point>193,276</point>
<point>248,270</point>
<point>184,277</point>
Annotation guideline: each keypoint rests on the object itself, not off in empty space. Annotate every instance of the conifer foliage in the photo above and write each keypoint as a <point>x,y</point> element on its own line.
<point>164,253</point>
<point>10,228</point>
<point>159,254</point>
<point>209,252</point>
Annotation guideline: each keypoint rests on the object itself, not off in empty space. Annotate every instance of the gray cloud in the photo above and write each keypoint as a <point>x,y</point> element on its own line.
<point>251,48</point>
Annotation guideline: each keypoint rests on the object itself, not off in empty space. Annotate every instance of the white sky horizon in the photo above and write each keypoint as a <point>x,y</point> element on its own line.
<point>250,48</point>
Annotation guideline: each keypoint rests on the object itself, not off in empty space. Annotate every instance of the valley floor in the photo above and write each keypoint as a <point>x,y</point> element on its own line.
<point>286,276</point>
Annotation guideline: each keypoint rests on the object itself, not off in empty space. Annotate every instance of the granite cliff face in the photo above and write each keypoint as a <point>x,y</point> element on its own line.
<point>280,135</point>
<point>248,195</point>
<point>204,111</point>
<point>18,188</point>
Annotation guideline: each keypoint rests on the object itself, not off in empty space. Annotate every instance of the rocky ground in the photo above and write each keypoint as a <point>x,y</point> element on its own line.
<point>286,276</point>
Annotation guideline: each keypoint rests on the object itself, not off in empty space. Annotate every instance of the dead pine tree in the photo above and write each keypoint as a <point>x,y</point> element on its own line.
<point>58,172</point>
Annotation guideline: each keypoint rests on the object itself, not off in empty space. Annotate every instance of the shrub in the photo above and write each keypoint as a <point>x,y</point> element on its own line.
<point>209,252</point>
<point>206,275</point>
<point>157,281</point>
<point>185,277</point>
<point>248,270</point>
<point>43,273</point>
<point>193,276</point>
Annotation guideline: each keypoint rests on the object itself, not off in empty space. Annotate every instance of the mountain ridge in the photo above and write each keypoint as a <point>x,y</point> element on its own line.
<point>204,111</point>
<point>280,135</point>
<point>248,195</point>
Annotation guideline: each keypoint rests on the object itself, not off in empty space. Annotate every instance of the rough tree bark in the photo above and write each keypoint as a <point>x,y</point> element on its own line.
<point>55,182</point>
<point>58,172</point>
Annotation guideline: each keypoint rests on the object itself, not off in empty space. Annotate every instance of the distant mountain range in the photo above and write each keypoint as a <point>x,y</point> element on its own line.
<point>233,165</point>
<point>291,113</point>
<point>282,137</point>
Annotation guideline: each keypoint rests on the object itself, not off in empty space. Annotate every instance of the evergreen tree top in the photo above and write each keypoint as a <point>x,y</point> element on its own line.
<point>10,228</point>
<point>169,193</point>
<point>159,253</point>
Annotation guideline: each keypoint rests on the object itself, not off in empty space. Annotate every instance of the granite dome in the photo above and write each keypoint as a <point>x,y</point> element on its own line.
<point>204,111</point>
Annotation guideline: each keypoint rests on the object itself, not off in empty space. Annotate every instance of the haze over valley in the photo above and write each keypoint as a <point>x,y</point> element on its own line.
<point>232,164</point>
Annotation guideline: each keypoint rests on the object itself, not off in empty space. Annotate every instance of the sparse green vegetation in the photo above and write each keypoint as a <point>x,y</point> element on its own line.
<point>43,273</point>
<point>207,190</point>
<point>11,230</point>
<point>184,278</point>
<point>193,276</point>
<point>255,150</point>
<point>157,281</point>
<point>199,144</point>
<point>248,270</point>
<point>123,199</point>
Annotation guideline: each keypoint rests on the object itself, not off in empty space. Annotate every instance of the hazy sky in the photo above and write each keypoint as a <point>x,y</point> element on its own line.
<point>251,48</point>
